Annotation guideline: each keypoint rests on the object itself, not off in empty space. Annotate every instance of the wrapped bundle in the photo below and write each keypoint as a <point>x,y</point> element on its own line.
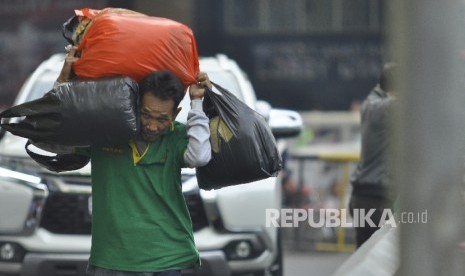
<point>120,42</point>
<point>79,113</point>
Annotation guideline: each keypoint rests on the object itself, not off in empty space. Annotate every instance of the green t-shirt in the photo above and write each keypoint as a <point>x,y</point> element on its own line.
<point>140,220</point>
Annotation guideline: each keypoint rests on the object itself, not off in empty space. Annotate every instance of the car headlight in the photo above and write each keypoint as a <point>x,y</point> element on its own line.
<point>22,197</point>
<point>17,176</point>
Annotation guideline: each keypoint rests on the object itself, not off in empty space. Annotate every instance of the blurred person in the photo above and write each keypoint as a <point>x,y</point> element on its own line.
<point>370,189</point>
<point>140,221</point>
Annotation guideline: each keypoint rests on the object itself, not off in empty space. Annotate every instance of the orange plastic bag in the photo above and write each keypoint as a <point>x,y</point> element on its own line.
<point>124,42</point>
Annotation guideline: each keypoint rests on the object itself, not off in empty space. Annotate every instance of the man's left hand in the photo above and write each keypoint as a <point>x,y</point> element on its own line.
<point>197,91</point>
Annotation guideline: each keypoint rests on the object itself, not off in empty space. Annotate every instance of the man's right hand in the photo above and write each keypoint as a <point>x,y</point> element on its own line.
<point>70,59</point>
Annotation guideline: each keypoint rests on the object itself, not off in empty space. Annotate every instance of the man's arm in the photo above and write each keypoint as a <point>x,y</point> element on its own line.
<point>198,152</point>
<point>66,70</point>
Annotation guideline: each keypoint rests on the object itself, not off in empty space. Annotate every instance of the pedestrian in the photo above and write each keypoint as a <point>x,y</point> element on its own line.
<point>140,221</point>
<point>370,181</point>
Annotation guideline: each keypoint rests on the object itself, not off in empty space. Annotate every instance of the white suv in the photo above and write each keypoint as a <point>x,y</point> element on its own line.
<point>45,218</point>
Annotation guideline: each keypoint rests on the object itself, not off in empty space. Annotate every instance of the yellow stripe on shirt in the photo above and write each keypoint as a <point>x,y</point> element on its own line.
<point>136,157</point>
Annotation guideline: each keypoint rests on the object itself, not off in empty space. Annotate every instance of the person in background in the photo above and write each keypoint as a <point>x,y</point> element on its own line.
<point>140,221</point>
<point>370,180</point>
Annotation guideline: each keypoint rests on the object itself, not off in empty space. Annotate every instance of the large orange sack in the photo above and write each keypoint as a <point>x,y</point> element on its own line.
<point>119,42</point>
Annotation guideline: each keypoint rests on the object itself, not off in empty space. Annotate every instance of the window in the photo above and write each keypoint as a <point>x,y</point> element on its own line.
<point>244,13</point>
<point>296,16</point>
<point>282,15</point>
<point>318,15</point>
<point>356,14</point>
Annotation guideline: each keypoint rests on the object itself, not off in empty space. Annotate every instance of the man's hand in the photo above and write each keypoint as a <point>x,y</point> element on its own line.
<point>71,58</point>
<point>197,91</point>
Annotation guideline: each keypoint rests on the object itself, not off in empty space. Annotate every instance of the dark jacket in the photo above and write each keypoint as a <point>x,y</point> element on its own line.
<point>371,175</point>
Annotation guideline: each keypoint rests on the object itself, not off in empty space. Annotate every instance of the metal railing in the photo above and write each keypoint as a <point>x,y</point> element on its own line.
<point>341,156</point>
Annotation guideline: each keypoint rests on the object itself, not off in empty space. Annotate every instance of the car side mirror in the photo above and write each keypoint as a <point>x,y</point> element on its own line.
<point>285,123</point>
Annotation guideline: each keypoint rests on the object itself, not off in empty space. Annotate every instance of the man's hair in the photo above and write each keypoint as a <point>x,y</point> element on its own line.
<point>163,85</point>
<point>387,80</point>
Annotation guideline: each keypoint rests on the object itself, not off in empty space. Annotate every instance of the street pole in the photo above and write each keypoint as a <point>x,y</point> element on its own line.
<point>426,38</point>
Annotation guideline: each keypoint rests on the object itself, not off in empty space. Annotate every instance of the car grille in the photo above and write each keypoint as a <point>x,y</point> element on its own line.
<point>67,214</point>
<point>196,210</point>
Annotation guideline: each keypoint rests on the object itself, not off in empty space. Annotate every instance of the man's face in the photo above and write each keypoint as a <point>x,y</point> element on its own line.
<point>156,116</point>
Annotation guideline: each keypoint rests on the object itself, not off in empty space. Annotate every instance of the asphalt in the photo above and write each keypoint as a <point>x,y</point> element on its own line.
<point>304,255</point>
<point>312,263</point>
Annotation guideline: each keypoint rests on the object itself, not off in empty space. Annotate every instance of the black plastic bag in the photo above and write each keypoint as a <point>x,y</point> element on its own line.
<point>79,113</point>
<point>70,30</point>
<point>243,147</point>
<point>60,162</point>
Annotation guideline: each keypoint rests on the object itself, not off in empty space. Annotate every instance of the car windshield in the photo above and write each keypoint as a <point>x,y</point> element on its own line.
<point>45,81</point>
<point>43,84</point>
